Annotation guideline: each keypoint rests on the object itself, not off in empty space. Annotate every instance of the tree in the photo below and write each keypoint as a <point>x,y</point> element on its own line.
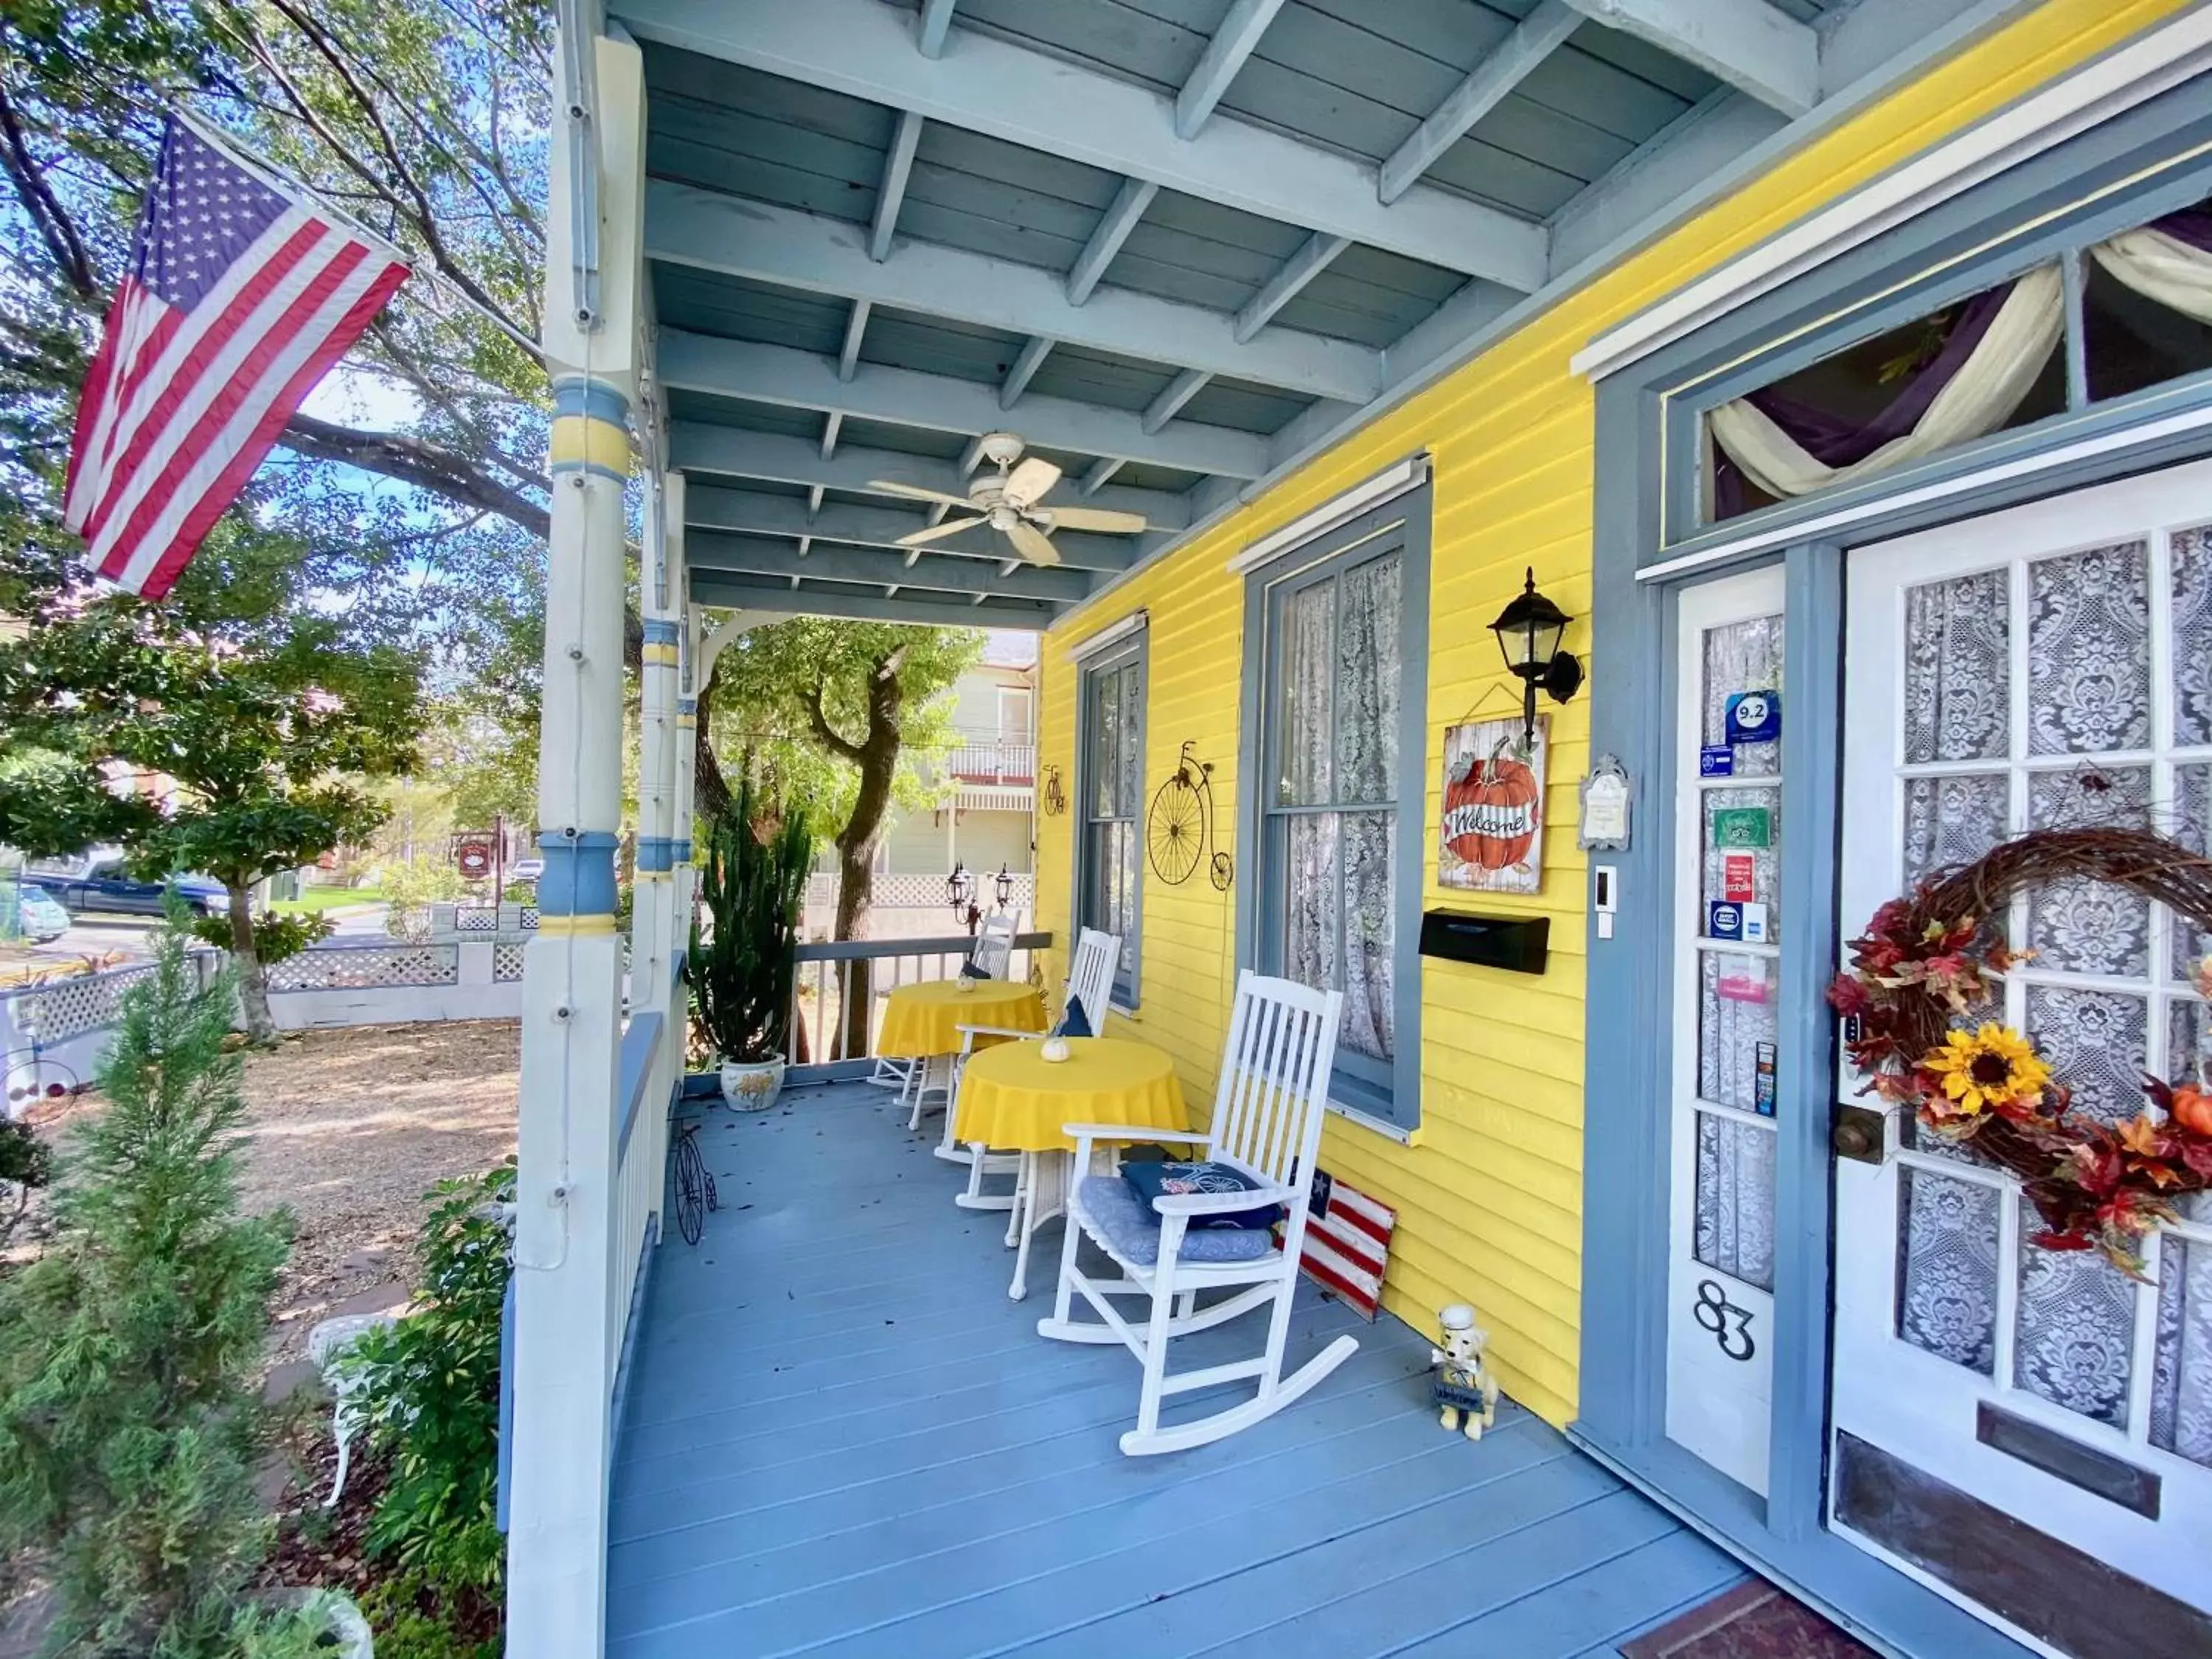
<point>863,696</point>
<point>268,715</point>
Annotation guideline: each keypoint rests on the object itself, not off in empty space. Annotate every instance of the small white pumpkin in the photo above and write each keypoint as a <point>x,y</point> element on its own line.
<point>1057,1050</point>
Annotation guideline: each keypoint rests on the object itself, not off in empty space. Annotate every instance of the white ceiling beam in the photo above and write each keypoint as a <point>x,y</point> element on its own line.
<point>1179,391</point>
<point>1128,207</point>
<point>767,556</point>
<point>788,599</point>
<point>1025,367</point>
<point>1532,41</point>
<point>1232,43</point>
<point>1747,43</point>
<point>830,430</point>
<point>862,48</point>
<point>929,29</point>
<point>800,380</point>
<point>856,327</point>
<point>754,512</point>
<point>707,230</point>
<point>1311,259</point>
<point>701,448</point>
<point>891,195</point>
<point>1100,475</point>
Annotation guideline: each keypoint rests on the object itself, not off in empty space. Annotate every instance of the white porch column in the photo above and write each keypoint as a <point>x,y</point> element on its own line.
<point>568,1312</point>
<point>651,943</point>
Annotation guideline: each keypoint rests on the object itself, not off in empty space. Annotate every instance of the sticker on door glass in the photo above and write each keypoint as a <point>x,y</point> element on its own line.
<point>1732,920</point>
<point>1742,826</point>
<point>1754,716</point>
<point>1739,877</point>
<point>1717,760</point>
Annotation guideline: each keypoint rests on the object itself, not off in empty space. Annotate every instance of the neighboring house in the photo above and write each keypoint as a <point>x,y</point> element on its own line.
<point>1841,374</point>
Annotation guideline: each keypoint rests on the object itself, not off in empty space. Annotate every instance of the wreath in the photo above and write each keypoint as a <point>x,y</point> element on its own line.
<point>1926,971</point>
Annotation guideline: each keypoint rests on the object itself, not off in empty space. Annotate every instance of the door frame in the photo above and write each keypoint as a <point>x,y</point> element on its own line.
<point>2126,169</point>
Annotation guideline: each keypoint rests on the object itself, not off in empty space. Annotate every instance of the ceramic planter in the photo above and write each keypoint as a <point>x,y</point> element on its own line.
<point>751,1086</point>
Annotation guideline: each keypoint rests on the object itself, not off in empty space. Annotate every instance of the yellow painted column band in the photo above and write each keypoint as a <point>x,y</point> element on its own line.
<point>587,443</point>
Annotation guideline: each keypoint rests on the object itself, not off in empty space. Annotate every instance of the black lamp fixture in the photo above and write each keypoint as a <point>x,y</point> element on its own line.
<point>1003,884</point>
<point>959,888</point>
<point>1529,632</point>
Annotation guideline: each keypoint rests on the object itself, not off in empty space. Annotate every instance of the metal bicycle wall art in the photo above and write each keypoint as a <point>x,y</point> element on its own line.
<point>1179,830</point>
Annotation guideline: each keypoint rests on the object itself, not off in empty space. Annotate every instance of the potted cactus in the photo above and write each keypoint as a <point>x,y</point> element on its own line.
<point>742,973</point>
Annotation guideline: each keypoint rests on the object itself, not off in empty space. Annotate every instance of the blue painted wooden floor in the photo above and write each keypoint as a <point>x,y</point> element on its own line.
<point>842,1438</point>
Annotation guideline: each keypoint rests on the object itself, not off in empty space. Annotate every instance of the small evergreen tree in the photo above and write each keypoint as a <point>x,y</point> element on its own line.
<point>130,1420</point>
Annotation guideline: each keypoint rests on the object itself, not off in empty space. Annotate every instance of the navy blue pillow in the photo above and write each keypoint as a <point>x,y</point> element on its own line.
<point>1150,1180</point>
<point>970,970</point>
<point>1073,1021</point>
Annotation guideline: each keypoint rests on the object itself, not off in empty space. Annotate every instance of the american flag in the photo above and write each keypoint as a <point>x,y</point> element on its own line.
<point>238,299</point>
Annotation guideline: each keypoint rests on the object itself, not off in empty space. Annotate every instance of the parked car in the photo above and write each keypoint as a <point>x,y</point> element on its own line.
<point>529,869</point>
<point>39,918</point>
<point>97,881</point>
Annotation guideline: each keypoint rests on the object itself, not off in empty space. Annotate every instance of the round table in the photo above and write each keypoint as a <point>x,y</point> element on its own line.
<point>922,1023</point>
<point>1013,1098</point>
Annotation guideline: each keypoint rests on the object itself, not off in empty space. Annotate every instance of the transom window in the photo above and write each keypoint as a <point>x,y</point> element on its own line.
<point>1109,786</point>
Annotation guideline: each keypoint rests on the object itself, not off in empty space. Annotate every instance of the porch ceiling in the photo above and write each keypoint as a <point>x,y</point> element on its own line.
<point>1169,243</point>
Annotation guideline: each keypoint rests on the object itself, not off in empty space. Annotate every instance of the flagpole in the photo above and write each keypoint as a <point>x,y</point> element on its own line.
<point>294,190</point>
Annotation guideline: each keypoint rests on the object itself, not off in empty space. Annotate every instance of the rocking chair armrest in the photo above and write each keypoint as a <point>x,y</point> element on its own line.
<point>996,1031</point>
<point>1133,1132</point>
<point>1200,1204</point>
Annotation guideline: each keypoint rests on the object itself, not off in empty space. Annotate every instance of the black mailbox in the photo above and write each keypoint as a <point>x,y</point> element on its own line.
<point>1517,943</point>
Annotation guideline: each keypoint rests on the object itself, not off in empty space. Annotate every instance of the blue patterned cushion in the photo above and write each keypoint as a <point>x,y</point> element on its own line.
<point>1130,1226</point>
<point>1150,1179</point>
<point>1073,1021</point>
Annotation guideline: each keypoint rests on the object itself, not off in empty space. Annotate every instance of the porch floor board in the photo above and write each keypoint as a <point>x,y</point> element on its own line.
<point>842,1438</point>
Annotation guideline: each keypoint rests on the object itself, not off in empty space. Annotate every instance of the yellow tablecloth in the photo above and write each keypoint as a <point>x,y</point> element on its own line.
<point>924,1020</point>
<point>1014,1099</point>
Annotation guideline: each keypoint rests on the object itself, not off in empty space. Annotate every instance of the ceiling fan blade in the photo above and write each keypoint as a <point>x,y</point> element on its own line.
<point>890,486</point>
<point>1096,518</point>
<point>938,531</point>
<point>1033,544</point>
<point>1029,481</point>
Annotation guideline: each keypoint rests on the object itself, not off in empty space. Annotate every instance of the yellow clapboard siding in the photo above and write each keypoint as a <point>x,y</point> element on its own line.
<point>1490,1197</point>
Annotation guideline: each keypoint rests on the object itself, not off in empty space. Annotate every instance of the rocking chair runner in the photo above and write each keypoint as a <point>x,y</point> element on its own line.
<point>1266,1124</point>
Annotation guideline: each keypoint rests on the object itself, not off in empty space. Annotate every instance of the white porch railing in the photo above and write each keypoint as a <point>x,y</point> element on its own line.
<point>992,761</point>
<point>832,974</point>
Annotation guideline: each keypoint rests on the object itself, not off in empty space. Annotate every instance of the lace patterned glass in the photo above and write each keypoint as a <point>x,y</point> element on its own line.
<point>2075,1339</point>
<point>2192,635</point>
<point>1735,1198</point>
<point>1744,656</point>
<point>2078,925</point>
<point>1737,1004</point>
<point>2181,1377</point>
<point>1105,739</point>
<point>1308,669</point>
<point>1132,740</point>
<point>1947,1267</point>
<point>2188,1039</point>
<point>1958,669</point>
<point>1953,820</point>
<point>1310,893</point>
<point>1369,931</point>
<point>1367,682</point>
<point>1764,863</point>
<point>2088,652</point>
<point>2193,791</point>
<point>2096,1043</point>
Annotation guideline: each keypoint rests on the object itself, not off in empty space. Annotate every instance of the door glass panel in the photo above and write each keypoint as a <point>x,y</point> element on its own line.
<point>1735,1198</point>
<point>2192,635</point>
<point>1744,656</point>
<point>1309,653</point>
<point>1958,669</point>
<point>2096,1043</point>
<point>1369,932</point>
<point>1367,684</point>
<point>1743,851</point>
<point>1737,1025</point>
<point>1309,900</point>
<point>1953,820</point>
<point>2076,1330</point>
<point>1131,725</point>
<point>2131,341</point>
<point>2181,1384</point>
<point>2089,651</point>
<point>2192,801</point>
<point>2188,1039</point>
<point>1106,743</point>
<point>2080,926</point>
<point>1947,1267</point>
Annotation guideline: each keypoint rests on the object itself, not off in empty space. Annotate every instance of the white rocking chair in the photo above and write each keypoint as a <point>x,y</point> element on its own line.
<point>1090,982</point>
<point>991,954</point>
<point>1266,1124</point>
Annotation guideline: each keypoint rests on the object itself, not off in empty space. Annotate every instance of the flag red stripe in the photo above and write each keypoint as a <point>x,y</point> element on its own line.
<point>238,383</point>
<point>1355,1245</point>
<point>224,328</point>
<point>216,499</point>
<point>1363,1213</point>
<point>159,322</point>
<point>94,394</point>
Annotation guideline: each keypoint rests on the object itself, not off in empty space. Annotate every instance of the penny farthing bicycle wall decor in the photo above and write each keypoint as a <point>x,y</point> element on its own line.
<point>1180,830</point>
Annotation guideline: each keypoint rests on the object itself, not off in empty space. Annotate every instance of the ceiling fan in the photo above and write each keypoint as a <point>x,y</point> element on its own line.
<point>1011,502</point>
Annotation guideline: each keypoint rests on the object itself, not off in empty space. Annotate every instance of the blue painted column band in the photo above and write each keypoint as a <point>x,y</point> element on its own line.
<point>655,852</point>
<point>578,887</point>
<point>598,400</point>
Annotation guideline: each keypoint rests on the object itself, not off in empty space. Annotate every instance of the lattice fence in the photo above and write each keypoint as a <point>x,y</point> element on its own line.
<point>368,969</point>
<point>506,961</point>
<point>476,919</point>
<point>69,1007</point>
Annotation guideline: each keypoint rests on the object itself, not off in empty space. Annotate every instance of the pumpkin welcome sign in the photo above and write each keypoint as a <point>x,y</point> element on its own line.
<point>1493,822</point>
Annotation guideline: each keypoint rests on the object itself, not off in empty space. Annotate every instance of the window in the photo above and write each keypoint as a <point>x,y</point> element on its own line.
<point>1109,788</point>
<point>1340,809</point>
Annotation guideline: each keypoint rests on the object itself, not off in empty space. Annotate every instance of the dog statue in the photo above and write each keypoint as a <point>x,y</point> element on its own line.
<point>1461,1384</point>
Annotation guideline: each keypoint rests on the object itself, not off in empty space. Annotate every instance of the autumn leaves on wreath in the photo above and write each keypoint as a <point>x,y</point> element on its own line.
<point>1924,979</point>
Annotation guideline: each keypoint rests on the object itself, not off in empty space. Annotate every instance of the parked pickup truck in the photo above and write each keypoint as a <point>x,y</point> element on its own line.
<point>97,881</point>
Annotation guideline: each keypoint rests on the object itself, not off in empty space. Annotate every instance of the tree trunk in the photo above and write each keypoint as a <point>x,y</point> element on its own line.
<point>710,790</point>
<point>252,978</point>
<point>878,760</point>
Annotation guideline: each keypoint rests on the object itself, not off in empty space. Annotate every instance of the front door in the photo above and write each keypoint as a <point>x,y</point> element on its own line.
<point>2029,1431</point>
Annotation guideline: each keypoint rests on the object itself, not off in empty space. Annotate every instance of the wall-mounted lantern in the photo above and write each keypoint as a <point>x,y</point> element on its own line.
<point>1003,884</point>
<point>959,890</point>
<point>1529,632</point>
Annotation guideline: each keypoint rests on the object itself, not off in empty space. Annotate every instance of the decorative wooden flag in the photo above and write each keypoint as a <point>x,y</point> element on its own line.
<point>1347,1245</point>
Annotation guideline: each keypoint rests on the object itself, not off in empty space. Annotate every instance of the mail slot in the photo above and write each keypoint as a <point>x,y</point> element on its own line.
<point>1517,943</point>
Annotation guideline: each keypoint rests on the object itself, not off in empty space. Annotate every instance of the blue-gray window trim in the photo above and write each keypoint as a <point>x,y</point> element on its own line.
<point>2151,159</point>
<point>1135,649</point>
<point>1404,521</point>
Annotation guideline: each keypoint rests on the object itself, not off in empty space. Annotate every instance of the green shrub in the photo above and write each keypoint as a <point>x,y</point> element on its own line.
<point>275,935</point>
<point>432,1396</point>
<point>131,1420</point>
<point>754,887</point>
<point>26,1163</point>
<point>394,1610</point>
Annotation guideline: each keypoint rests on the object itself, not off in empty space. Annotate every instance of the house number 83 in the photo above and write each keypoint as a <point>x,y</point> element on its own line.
<point>1730,1324</point>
